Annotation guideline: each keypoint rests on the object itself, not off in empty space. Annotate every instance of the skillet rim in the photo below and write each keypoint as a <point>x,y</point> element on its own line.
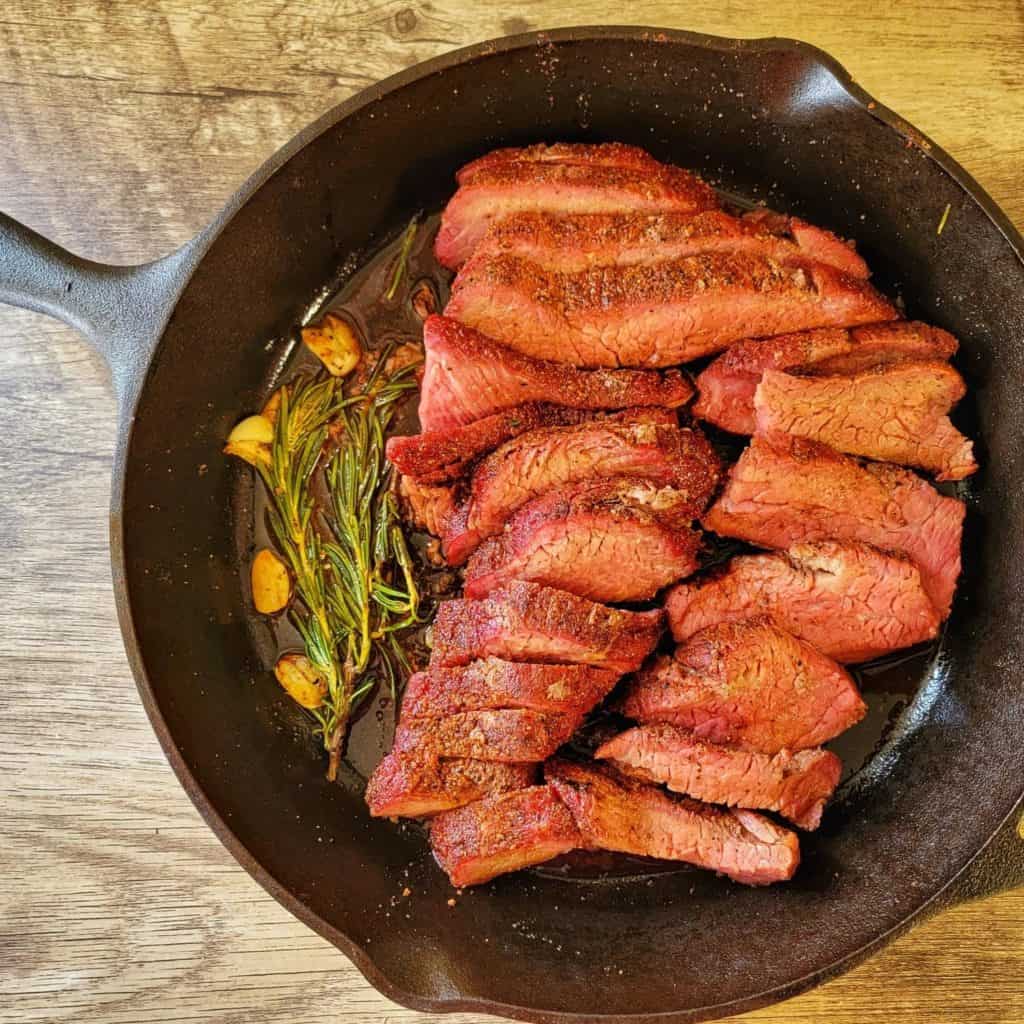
<point>192,254</point>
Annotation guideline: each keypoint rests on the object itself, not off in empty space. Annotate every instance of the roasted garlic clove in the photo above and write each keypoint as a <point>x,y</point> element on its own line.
<point>250,440</point>
<point>252,428</point>
<point>334,343</point>
<point>271,584</point>
<point>295,672</point>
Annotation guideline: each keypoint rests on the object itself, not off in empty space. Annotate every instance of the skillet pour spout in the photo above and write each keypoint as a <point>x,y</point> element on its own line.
<point>186,337</point>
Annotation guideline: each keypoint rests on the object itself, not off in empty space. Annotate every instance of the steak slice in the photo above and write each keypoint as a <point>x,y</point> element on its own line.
<point>751,685</point>
<point>614,812</point>
<point>492,683</point>
<point>609,540</point>
<point>726,388</point>
<point>416,784</point>
<point>786,490</point>
<point>656,314</point>
<point>553,457</point>
<point>513,735</point>
<point>609,154</point>
<point>796,785</point>
<point>467,376</point>
<point>896,413</point>
<point>430,507</point>
<point>491,193</point>
<point>850,600</point>
<point>441,456</point>
<point>502,833</point>
<point>528,622</point>
<point>574,242</point>
<point>817,243</point>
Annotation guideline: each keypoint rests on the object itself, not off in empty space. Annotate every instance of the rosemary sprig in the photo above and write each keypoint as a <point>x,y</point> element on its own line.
<point>369,604</point>
<point>352,569</point>
<point>408,237</point>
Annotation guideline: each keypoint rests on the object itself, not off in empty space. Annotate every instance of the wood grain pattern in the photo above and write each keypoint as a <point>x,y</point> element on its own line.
<point>125,126</point>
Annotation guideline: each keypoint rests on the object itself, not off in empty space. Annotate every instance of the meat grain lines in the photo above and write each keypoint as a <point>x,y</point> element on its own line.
<point>555,471</point>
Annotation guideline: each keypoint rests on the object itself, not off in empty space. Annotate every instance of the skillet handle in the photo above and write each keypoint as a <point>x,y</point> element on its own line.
<point>121,311</point>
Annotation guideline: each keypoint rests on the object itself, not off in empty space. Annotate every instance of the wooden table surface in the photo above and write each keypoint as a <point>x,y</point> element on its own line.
<point>124,128</point>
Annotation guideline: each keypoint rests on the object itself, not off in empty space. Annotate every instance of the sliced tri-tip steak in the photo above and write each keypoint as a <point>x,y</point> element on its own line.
<point>614,812</point>
<point>417,784</point>
<point>896,413</point>
<point>726,388</point>
<point>430,507</point>
<point>553,457</point>
<point>502,833</point>
<point>574,242</point>
<point>748,684</point>
<point>786,490</point>
<point>850,600</point>
<point>655,314</point>
<point>440,456</point>
<point>609,154</point>
<point>492,192</point>
<point>513,735</point>
<point>609,540</point>
<point>528,622</point>
<point>795,784</point>
<point>467,376</point>
<point>494,683</point>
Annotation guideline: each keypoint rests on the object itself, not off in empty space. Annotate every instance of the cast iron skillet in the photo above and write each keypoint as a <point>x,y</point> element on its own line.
<point>185,338</point>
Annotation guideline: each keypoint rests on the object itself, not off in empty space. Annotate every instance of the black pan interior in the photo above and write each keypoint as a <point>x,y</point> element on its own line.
<point>765,121</point>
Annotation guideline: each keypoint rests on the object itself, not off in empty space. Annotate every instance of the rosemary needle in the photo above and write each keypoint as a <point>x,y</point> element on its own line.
<point>408,237</point>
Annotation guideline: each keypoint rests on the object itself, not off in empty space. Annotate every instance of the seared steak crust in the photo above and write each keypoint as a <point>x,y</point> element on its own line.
<point>851,601</point>
<point>467,376</point>
<point>751,685</point>
<point>574,242</point>
<point>609,154</point>
<point>658,314</point>
<point>896,413</point>
<point>796,785</point>
<point>614,812</point>
<point>441,456</point>
<point>502,833</point>
<point>786,490</point>
<point>528,622</point>
<point>493,683</point>
<point>491,193</point>
<point>726,388</point>
<point>417,784</point>
<point>514,735</point>
<point>554,457</point>
<point>609,540</point>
